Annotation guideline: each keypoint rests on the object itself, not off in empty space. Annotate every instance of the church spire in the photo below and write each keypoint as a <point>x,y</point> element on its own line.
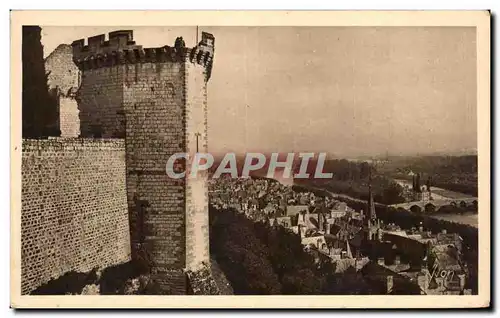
<point>349,252</point>
<point>371,205</point>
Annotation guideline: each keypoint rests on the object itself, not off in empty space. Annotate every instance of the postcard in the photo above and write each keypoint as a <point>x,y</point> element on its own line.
<point>292,159</point>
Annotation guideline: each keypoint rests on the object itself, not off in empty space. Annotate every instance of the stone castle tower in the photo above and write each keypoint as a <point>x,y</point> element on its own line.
<point>156,99</point>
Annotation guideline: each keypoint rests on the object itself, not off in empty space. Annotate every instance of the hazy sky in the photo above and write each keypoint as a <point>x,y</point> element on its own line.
<point>343,90</point>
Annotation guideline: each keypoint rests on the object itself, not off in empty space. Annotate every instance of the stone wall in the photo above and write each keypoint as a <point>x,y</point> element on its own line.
<point>74,208</point>
<point>100,102</point>
<point>154,103</point>
<point>201,281</point>
<point>156,99</point>
<point>62,72</point>
<point>69,120</point>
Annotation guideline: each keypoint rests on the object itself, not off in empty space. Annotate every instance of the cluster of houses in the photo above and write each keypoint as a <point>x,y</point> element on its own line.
<point>400,261</point>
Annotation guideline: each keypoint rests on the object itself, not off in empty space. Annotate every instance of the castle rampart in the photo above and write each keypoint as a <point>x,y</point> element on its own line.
<point>155,98</point>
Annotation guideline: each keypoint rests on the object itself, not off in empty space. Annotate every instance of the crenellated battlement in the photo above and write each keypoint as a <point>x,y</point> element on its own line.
<point>96,45</point>
<point>121,49</point>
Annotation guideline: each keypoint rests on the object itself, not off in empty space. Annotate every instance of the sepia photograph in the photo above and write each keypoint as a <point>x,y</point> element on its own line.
<point>284,159</point>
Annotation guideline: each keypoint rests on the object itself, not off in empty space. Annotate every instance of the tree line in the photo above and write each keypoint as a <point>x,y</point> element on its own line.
<point>454,173</point>
<point>352,179</point>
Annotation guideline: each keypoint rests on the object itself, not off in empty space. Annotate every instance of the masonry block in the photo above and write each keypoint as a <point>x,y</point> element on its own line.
<point>74,213</point>
<point>154,98</point>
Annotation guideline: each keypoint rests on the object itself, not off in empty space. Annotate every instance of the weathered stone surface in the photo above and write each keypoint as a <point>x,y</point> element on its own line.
<point>63,81</point>
<point>74,213</point>
<point>62,72</point>
<point>202,282</point>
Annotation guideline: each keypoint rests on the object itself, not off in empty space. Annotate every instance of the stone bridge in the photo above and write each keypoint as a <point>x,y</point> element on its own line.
<point>434,205</point>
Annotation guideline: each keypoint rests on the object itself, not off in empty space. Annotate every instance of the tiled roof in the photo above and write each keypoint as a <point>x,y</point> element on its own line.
<point>295,209</point>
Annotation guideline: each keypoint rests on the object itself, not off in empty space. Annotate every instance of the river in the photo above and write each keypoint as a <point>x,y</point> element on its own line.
<point>469,218</point>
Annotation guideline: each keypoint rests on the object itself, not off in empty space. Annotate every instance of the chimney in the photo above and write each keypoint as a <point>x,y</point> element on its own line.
<point>443,231</point>
<point>327,228</point>
<point>461,278</point>
<point>320,221</point>
<point>440,282</point>
<point>397,260</point>
<point>390,284</point>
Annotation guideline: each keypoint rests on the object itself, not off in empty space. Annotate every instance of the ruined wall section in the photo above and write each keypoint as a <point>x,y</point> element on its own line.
<point>63,81</point>
<point>74,214</point>
<point>62,72</point>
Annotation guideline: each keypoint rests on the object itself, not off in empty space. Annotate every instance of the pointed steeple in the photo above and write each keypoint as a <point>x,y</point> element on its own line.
<point>371,205</point>
<point>320,219</point>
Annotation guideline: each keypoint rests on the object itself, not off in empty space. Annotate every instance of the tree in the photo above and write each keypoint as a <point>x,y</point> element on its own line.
<point>349,282</point>
<point>39,108</point>
<point>392,194</point>
<point>417,183</point>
